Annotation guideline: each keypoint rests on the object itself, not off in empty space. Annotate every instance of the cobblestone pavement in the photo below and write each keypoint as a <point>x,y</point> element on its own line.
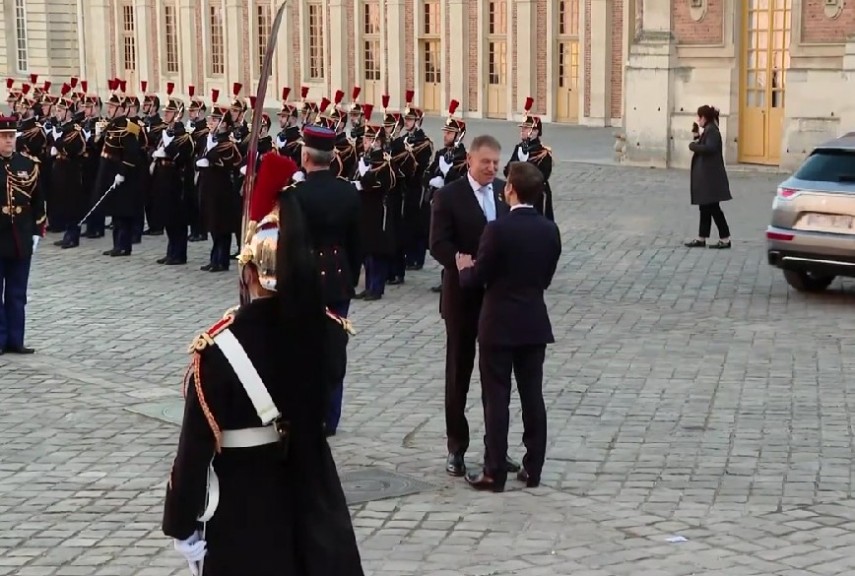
<point>690,393</point>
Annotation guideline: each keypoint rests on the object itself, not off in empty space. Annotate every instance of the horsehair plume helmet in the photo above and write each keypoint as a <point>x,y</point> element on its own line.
<point>34,79</point>
<point>143,86</point>
<point>25,89</point>
<point>236,88</point>
<point>408,98</point>
<point>354,94</point>
<point>252,101</point>
<point>84,85</point>
<point>286,91</point>
<point>367,109</point>
<point>385,101</point>
<point>66,88</point>
<point>73,82</point>
<point>9,83</point>
<point>123,85</point>
<point>529,102</point>
<point>46,86</point>
<point>325,103</point>
<point>170,87</point>
<point>191,91</point>
<point>304,92</point>
<point>339,96</point>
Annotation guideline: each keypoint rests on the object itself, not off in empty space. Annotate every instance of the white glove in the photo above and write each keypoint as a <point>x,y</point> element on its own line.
<point>202,163</point>
<point>279,142</point>
<point>36,243</point>
<point>166,139</point>
<point>298,176</point>
<point>211,142</point>
<point>87,134</point>
<point>444,166</point>
<point>362,166</point>
<point>17,134</point>
<point>523,156</point>
<point>98,130</point>
<point>118,179</point>
<point>159,153</point>
<point>357,184</point>
<point>193,549</point>
<point>437,182</point>
<point>57,134</point>
<point>243,170</point>
<point>53,151</point>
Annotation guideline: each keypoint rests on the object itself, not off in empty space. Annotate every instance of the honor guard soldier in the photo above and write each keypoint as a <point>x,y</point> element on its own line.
<point>404,165</point>
<point>254,402</point>
<point>357,120</point>
<point>46,101</point>
<point>416,208</point>
<point>331,207</point>
<point>265,141</point>
<point>220,200</point>
<point>154,127</point>
<point>32,138</point>
<point>93,127</point>
<point>172,180</point>
<point>344,163</point>
<point>117,185</point>
<point>375,180</point>
<point>531,149</point>
<point>288,141</point>
<point>22,223</point>
<point>240,127</point>
<point>68,198</point>
<point>13,98</point>
<point>308,109</point>
<point>142,176</point>
<point>197,126</point>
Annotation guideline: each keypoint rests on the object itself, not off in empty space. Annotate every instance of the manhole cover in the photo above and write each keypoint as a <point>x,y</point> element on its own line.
<point>171,411</point>
<point>369,484</point>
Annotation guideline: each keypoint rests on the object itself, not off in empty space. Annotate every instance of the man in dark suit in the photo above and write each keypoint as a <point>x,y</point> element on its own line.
<point>459,212</point>
<point>331,208</point>
<point>516,261</point>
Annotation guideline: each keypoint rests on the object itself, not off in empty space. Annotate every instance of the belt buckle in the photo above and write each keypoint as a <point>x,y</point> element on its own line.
<point>283,429</point>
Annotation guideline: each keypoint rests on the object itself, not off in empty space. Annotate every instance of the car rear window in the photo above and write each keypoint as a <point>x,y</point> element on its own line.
<point>828,165</point>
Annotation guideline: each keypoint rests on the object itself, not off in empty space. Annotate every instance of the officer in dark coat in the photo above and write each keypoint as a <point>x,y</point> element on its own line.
<point>197,127</point>
<point>154,126</point>
<point>22,225</point>
<point>346,156</point>
<point>357,119</point>
<point>331,208</point>
<point>220,198</point>
<point>531,149</point>
<point>93,128</point>
<point>32,138</point>
<point>69,198</point>
<point>172,181</point>
<point>375,179</point>
<point>288,141</point>
<point>415,223</point>
<point>254,488</point>
<point>142,177</point>
<point>404,165</point>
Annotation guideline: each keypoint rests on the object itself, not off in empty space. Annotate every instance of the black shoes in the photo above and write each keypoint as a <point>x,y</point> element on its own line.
<point>17,350</point>
<point>455,466</point>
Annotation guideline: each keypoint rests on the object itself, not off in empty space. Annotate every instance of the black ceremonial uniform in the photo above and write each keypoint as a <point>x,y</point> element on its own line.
<point>281,507</point>
<point>68,198</point>
<point>416,209</point>
<point>32,139</point>
<point>346,156</point>
<point>22,216</point>
<point>377,180</point>
<point>290,145</point>
<point>171,186</point>
<point>198,232</point>
<point>535,152</point>
<point>154,129</point>
<point>143,177</point>
<point>89,169</point>
<point>221,206</point>
<point>405,165</point>
<point>120,156</point>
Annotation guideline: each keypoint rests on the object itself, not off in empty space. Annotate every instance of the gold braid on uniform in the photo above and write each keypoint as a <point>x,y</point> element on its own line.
<point>346,324</point>
<point>199,344</point>
<point>541,155</point>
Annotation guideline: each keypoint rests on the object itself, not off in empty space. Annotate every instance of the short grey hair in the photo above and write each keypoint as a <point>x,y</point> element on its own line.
<point>485,141</point>
<point>319,157</point>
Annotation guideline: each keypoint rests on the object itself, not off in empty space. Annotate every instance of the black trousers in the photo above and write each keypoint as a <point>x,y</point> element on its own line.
<point>496,364</point>
<point>710,212</point>
<point>461,333</point>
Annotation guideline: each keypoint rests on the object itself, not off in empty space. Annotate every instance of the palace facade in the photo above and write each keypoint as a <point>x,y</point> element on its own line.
<point>782,72</point>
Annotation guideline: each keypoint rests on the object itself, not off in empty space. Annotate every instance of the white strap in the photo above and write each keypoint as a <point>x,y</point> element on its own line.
<point>248,376</point>
<point>249,437</point>
<point>212,499</point>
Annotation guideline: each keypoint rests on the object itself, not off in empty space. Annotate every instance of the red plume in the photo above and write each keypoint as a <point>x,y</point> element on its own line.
<point>9,83</point>
<point>66,88</point>
<point>273,175</point>
<point>123,84</point>
<point>252,101</point>
<point>191,90</point>
<point>73,81</point>
<point>285,93</point>
<point>170,86</point>
<point>25,89</point>
<point>304,91</point>
<point>215,95</point>
<point>339,96</point>
<point>325,103</point>
<point>236,88</point>
<point>385,100</point>
<point>84,85</point>
<point>354,95</point>
<point>143,86</point>
<point>46,87</point>
<point>34,78</point>
<point>409,96</point>
<point>111,85</point>
<point>452,107</point>
<point>367,109</point>
<point>529,102</point>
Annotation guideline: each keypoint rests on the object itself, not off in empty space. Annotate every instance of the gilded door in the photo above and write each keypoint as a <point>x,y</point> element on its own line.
<point>765,59</point>
<point>431,76</point>
<point>372,88</point>
<point>497,59</point>
<point>567,53</point>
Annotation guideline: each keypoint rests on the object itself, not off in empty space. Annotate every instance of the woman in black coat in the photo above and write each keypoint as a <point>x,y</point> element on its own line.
<point>709,183</point>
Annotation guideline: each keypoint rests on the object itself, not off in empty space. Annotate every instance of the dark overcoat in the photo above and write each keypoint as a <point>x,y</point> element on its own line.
<point>709,183</point>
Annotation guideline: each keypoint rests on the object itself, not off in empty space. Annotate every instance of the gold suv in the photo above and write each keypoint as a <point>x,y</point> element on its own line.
<point>812,235</point>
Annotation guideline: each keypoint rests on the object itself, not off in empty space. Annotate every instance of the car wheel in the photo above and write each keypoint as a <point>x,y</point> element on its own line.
<point>807,281</point>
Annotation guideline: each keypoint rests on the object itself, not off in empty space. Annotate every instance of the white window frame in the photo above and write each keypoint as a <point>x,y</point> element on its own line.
<point>22,47</point>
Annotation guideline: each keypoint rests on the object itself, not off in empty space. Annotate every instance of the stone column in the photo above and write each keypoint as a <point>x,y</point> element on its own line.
<point>234,36</point>
<point>188,55</point>
<point>338,27</point>
<point>648,90</point>
<point>526,55</point>
<point>601,62</point>
<point>847,107</point>
<point>396,48</point>
<point>144,19</point>
<point>457,45</point>
<point>99,45</point>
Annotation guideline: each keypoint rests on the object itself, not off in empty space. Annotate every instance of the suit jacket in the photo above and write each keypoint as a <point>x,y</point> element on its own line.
<point>456,224</point>
<point>516,262</point>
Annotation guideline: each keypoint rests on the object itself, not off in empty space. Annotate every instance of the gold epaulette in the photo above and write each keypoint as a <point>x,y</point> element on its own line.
<point>206,338</point>
<point>346,324</point>
<point>31,157</point>
<point>133,128</point>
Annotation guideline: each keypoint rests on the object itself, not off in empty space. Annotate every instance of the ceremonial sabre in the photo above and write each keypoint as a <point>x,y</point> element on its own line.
<point>252,150</point>
<point>98,203</point>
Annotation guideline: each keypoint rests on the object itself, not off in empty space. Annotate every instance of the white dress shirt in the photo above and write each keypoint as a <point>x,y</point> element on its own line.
<point>515,206</point>
<point>484,196</point>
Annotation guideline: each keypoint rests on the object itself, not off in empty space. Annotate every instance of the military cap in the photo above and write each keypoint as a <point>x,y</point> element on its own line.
<point>319,137</point>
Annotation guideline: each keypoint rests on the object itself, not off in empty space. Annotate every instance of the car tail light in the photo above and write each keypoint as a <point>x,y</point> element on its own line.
<point>787,193</point>
<point>779,236</point>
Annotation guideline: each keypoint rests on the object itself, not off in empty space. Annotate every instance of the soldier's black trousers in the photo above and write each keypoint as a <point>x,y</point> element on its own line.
<point>123,230</point>
<point>220,250</point>
<point>176,247</point>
